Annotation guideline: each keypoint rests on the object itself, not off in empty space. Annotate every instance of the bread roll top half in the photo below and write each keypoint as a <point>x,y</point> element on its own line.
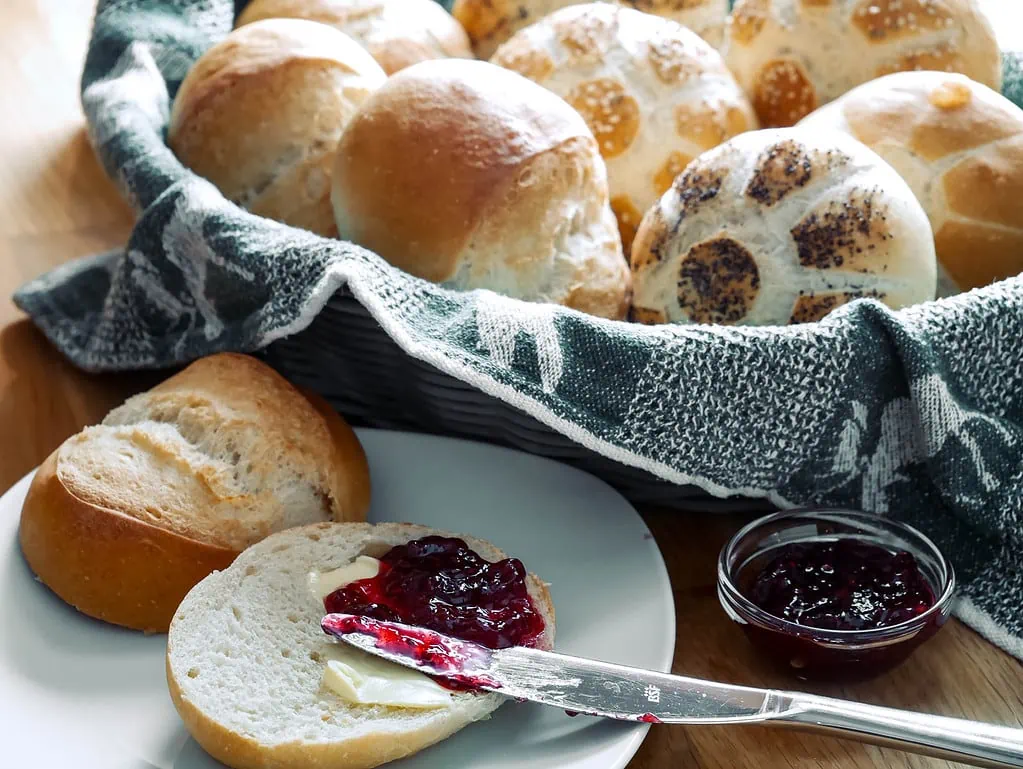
<point>959,145</point>
<point>397,33</point>
<point>781,226</point>
<point>466,174</point>
<point>793,56</point>
<point>126,516</point>
<point>260,113</point>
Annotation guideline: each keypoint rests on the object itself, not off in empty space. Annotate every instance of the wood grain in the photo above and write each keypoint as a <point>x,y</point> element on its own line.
<point>56,204</point>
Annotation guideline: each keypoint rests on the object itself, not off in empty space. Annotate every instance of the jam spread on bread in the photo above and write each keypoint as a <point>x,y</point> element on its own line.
<point>842,585</point>
<point>441,584</point>
<point>461,663</point>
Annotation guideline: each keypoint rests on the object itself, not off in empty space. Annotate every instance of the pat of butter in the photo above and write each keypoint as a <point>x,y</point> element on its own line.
<point>325,583</point>
<point>361,678</point>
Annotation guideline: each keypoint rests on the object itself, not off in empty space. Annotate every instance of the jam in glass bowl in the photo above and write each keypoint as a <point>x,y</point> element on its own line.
<point>834,594</point>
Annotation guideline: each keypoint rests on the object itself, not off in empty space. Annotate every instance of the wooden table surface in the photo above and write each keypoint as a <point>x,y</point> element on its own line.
<point>56,204</point>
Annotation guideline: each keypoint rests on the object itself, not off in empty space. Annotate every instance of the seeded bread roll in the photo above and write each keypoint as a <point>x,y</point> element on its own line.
<point>491,22</point>
<point>793,56</point>
<point>959,145</point>
<point>654,94</point>
<point>472,176</point>
<point>260,113</point>
<point>245,659</point>
<point>781,226</point>
<point>125,517</point>
<point>397,33</point>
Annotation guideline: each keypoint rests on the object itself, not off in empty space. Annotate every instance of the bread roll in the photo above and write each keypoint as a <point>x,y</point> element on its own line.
<point>469,175</point>
<point>397,33</point>
<point>126,516</point>
<point>492,22</point>
<point>781,226</point>
<point>245,658</point>
<point>959,145</point>
<point>654,94</point>
<point>792,56</point>
<point>260,113</point>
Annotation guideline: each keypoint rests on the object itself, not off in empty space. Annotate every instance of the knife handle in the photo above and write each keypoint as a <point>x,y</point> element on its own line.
<point>953,739</point>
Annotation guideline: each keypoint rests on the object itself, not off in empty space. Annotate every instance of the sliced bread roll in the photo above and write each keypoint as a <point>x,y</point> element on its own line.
<point>126,516</point>
<point>246,655</point>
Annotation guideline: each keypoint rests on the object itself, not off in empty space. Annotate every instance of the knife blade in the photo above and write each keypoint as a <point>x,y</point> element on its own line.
<point>571,683</point>
<point>626,693</point>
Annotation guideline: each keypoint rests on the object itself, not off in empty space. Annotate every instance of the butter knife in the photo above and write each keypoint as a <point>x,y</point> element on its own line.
<point>624,693</point>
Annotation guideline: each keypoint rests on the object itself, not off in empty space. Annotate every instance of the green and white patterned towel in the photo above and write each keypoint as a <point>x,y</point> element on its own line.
<point>916,414</point>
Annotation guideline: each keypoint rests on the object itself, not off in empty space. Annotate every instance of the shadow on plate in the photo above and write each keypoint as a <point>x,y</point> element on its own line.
<point>59,648</point>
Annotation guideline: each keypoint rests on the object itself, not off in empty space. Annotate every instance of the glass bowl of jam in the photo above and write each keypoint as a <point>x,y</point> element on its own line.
<point>834,594</point>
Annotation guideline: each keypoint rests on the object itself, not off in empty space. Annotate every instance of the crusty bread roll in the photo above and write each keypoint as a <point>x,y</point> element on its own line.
<point>959,145</point>
<point>654,94</point>
<point>792,56</point>
<point>260,113</point>
<point>472,176</point>
<point>126,516</point>
<point>245,657</point>
<point>397,33</point>
<point>491,22</point>
<point>781,226</point>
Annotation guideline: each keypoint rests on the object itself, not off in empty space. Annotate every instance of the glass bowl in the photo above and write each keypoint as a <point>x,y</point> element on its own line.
<point>825,654</point>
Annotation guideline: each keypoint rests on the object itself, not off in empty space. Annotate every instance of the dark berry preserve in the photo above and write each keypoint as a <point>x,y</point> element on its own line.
<point>846,584</point>
<point>441,584</point>
<point>834,595</point>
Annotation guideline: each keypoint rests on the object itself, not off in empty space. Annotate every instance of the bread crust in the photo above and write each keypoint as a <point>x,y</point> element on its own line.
<point>490,23</point>
<point>371,750</point>
<point>793,56</point>
<point>397,33</point>
<point>292,84</point>
<point>959,145</point>
<point>654,94</point>
<point>110,559</point>
<point>106,564</point>
<point>844,226</point>
<point>467,174</point>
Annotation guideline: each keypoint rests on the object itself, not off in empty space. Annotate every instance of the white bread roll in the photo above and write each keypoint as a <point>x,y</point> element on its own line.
<point>491,22</point>
<point>654,94</point>
<point>245,657</point>
<point>781,226</point>
<point>472,176</point>
<point>126,516</point>
<point>959,145</point>
<point>260,113</point>
<point>397,33</point>
<point>792,56</point>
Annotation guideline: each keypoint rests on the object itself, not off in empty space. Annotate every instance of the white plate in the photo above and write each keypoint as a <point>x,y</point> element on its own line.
<point>76,692</point>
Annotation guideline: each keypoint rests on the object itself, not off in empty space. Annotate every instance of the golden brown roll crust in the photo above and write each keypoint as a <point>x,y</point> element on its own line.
<point>492,22</point>
<point>792,56</point>
<point>259,115</point>
<point>397,33</point>
<point>106,564</point>
<point>959,145</point>
<point>466,174</point>
<point>125,517</point>
<point>781,226</point>
<point>654,94</point>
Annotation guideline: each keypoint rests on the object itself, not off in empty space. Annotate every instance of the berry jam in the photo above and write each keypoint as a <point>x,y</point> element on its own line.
<point>461,663</point>
<point>846,584</point>
<point>441,584</point>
